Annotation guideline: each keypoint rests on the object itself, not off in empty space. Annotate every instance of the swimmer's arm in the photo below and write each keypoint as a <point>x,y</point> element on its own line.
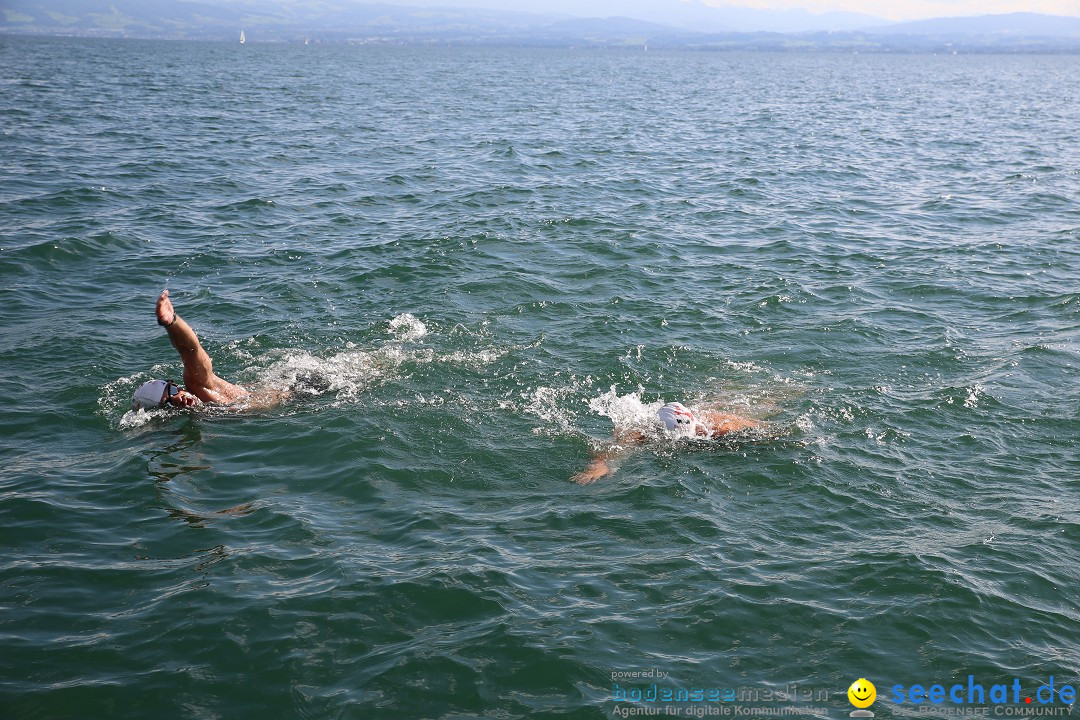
<point>599,467</point>
<point>198,368</point>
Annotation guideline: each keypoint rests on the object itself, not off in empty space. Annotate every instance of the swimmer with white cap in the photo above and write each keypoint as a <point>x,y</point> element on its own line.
<point>201,385</point>
<point>676,418</point>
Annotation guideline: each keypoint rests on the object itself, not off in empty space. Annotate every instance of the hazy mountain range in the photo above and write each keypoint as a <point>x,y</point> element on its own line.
<point>603,23</point>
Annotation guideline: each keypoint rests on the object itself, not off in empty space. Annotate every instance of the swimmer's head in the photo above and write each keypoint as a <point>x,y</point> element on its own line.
<point>677,418</point>
<point>154,394</point>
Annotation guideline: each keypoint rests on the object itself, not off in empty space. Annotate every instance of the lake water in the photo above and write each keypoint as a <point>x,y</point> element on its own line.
<point>484,257</point>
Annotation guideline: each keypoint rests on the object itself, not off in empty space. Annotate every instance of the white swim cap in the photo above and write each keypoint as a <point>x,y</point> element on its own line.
<point>149,395</point>
<point>677,418</point>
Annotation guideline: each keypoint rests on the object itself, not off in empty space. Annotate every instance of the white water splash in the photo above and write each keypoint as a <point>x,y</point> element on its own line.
<point>551,405</point>
<point>346,373</point>
<point>626,411</point>
<point>407,328</point>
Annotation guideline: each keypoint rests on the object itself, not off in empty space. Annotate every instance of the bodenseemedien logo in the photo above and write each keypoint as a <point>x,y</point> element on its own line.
<point>862,694</point>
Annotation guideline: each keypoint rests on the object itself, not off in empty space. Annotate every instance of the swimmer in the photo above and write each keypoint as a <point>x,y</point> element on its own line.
<point>675,418</point>
<point>201,385</point>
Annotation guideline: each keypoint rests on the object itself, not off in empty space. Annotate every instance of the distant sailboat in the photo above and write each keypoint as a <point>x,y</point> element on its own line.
<point>242,38</point>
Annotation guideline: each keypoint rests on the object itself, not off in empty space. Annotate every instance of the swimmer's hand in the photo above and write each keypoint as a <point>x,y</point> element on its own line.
<point>165,314</point>
<point>596,470</point>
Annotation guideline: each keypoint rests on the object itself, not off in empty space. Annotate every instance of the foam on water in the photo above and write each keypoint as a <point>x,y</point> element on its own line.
<point>345,374</point>
<point>557,407</point>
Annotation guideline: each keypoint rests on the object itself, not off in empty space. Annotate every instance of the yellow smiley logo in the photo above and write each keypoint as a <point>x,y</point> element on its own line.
<point>862,693</point>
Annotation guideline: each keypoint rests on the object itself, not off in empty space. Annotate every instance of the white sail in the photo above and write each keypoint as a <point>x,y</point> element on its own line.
<point>242,39</point>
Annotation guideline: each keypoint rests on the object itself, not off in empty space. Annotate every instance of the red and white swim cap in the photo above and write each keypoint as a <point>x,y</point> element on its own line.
<point>677,417</point>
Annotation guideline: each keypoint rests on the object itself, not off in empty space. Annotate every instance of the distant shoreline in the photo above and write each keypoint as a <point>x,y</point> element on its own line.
<point>826,43</point>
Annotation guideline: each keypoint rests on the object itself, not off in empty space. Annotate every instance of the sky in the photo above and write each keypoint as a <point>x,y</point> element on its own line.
<point>916,9</point>
<point>888,9</point>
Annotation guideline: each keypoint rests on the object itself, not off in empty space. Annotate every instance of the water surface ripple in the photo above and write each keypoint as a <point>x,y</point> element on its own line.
<point>486,255</point>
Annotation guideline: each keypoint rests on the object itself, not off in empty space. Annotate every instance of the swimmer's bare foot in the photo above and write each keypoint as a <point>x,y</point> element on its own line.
<point>165,314</point>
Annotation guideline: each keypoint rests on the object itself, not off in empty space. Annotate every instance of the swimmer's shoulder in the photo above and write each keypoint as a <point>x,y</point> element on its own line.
<point>724,423</point>
<point>220,392</point>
